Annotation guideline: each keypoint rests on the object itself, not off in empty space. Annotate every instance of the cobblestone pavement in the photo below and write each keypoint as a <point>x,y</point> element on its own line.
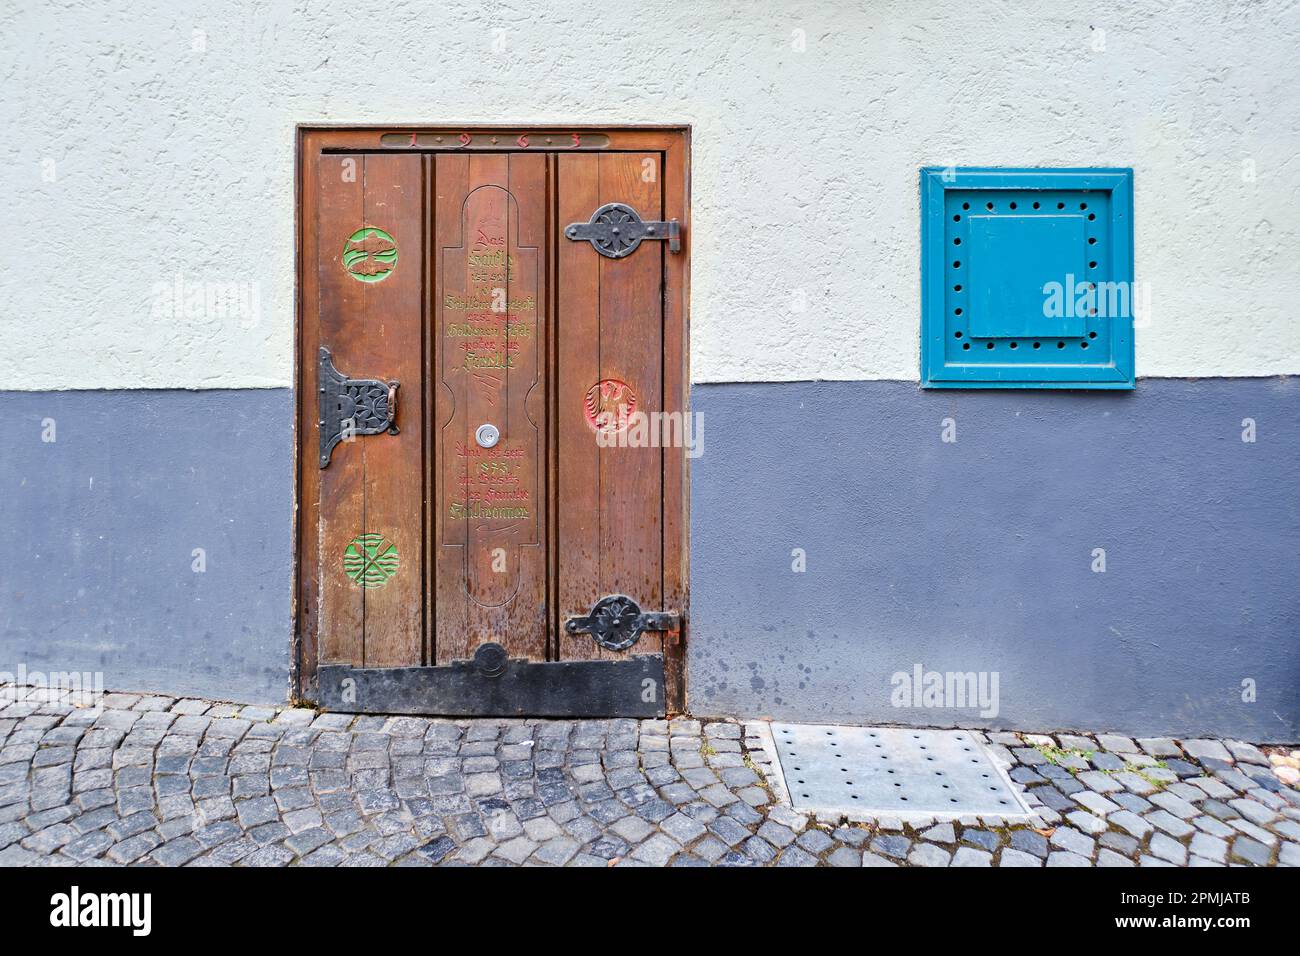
<point>155,780</point>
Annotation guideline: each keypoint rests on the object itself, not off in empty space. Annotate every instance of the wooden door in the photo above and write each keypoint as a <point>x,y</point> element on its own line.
<point>493,509</point>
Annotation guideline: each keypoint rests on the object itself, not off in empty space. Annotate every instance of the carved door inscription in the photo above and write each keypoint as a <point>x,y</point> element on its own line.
<point>489,415</point>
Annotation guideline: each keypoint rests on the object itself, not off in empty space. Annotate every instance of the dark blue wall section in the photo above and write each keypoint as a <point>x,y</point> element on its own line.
<point>100,525</point>
<point>969,557</point>
<point>976,556</point>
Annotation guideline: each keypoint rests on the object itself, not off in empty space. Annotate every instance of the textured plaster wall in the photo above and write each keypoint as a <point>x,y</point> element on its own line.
<point>149,147</point>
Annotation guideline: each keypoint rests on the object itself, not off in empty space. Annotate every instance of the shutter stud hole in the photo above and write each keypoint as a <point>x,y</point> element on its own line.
<point>1038,345</point>
<point>964,348</point>
<point>1092,335</point>
<point>956,264</point>
<point>1013,345</point>
<point>989,346</point>
<point>956,335</point>
<point>956,311</point>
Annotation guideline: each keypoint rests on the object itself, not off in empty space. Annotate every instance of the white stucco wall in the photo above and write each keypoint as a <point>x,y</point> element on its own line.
<point>131,156</point>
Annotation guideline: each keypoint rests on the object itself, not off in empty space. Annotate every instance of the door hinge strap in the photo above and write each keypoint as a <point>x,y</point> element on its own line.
<point>352,406</point>
<point>616,622</point>
<point>616,229</point>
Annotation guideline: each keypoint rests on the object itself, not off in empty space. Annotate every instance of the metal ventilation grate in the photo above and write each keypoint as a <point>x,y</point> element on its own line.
<point>880,771</point>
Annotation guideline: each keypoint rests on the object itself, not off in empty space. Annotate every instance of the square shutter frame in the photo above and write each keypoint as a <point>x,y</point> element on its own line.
<point>992,243</point>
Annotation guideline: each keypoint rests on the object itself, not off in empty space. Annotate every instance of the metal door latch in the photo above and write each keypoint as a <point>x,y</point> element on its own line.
<point>352,406</point>
<point>616,229</point>
<point>616,622</point>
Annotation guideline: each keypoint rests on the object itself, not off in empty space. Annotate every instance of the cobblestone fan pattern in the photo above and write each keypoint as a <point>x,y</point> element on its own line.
<point>151,780</point>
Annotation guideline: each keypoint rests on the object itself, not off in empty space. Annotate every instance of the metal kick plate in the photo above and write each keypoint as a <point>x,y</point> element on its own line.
<point>891,771</point>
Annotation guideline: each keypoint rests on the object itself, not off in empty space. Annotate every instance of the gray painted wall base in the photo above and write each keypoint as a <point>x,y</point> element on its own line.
<point>100,527</point>
<point>973,556</point>
<point>976,556</point>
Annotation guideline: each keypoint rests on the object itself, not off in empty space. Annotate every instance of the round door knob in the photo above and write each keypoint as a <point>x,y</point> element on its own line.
<point>487,435</point>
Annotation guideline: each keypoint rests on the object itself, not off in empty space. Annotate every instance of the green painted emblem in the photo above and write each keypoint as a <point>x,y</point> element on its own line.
<point>370,254</point>
<point>370,560</point>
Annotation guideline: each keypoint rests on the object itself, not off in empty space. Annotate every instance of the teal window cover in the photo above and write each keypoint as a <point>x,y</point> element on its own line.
<point>1027,278</point>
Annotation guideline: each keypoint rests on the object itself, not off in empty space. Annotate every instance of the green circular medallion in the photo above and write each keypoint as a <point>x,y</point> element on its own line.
<point>370,254</point>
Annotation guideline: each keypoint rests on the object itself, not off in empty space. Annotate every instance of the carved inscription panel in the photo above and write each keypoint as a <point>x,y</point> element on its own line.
<point>490,359</point>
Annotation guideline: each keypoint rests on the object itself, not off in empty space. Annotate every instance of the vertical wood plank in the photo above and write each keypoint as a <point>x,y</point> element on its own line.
<point>451,186</point>
<point>340,211</point>
<point>578,363</point>
<point>631,351</point>
<point>526,400</point>
<point>611,330</point>
<point>387,336</point>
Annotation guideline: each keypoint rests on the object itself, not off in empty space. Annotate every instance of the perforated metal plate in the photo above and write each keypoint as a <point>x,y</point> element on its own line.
<point>887,771</point>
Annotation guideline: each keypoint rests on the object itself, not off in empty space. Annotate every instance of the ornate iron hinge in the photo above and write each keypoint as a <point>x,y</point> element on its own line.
<point>616,622</point>
<point>616,229</point>
<point>352,406</point>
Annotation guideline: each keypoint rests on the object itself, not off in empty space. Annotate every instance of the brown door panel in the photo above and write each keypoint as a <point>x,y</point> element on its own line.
<point>450,272</point>
<point>370,498</point>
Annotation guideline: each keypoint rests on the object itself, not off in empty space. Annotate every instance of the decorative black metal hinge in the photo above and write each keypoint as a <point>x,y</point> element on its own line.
<point>616,229</point>
<point>616,622</point>
<point>352,406</point>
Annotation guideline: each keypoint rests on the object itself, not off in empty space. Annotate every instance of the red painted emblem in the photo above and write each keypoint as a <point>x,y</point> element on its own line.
<point>608,404</point>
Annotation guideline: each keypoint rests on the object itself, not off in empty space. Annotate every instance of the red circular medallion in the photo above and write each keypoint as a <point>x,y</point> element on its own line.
<point>608,405</point>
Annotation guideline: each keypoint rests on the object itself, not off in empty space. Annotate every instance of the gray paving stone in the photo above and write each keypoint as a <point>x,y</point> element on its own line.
<point>986,840</point>
<point>1251,851</point>
<point>844,857</point>
<point>1072,841</point>
<point>1130,822</point>
<point>815,841</point>
<point>1159,746</point>
<point>1211,848</point>
<point>891,845</point>
<point>970,857</point>
<point>1167,848</point>
<point>177,852</point>
<point>1200,749</point>
<point>928,854</point>
<point>657,850</point>
<point>1017,858</point>
<point>942,833</point>
<point>1169,823</point>
<point>1109,858</point>
<point>1028,841</point>
<point>1064,858</point>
